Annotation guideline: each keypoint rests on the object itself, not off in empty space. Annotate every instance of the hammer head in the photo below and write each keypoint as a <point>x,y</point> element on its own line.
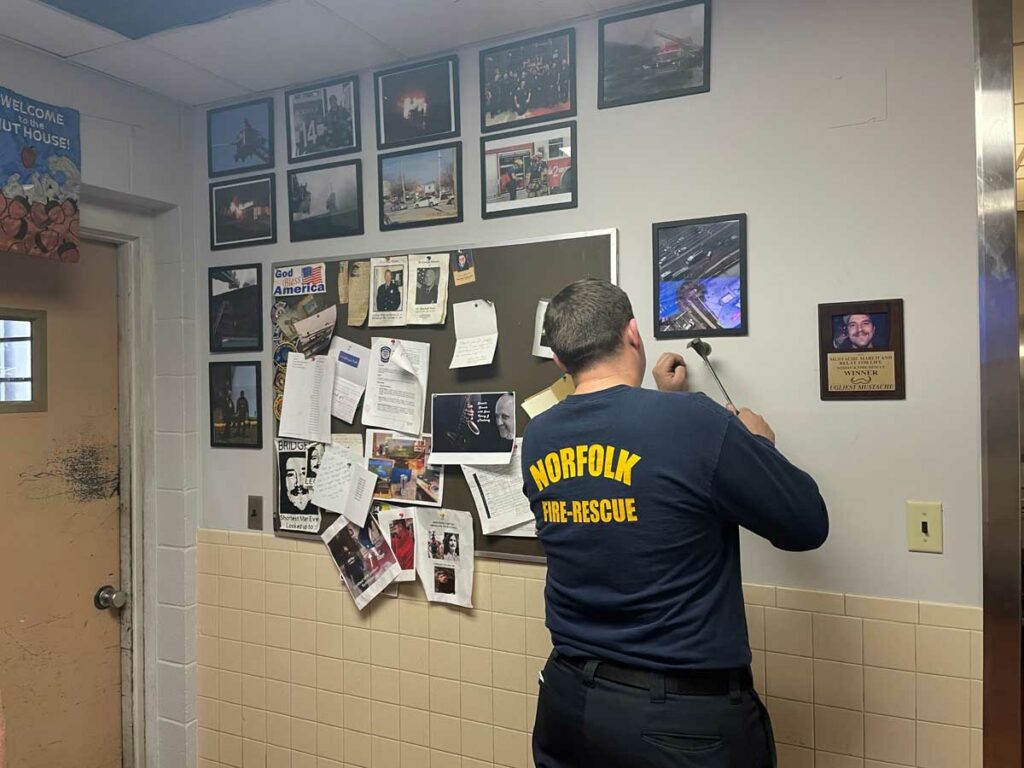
<point>702,348</point>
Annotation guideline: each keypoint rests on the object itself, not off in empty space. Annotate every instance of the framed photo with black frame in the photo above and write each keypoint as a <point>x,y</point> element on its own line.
<point>420,187</point>
<point>417,103</point>
<point>240,138</point>
<point>700,285</point>
<point>861,354</point>
<point>242,212</point>
<point>236,410</point>
<point>654,53</point>
<point>236,308</point>
<point>529,171</point>
<point>325,201</point>
<point>322,119</point>
<point>528,81</point>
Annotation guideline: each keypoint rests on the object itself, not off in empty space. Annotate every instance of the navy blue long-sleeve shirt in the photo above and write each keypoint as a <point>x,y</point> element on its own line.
<point>639,496</point>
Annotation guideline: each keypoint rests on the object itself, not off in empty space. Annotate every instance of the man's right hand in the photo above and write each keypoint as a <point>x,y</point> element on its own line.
<point>754,423</point>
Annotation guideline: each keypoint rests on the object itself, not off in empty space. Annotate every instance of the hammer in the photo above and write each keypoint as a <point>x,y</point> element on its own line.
<point>703,349</point>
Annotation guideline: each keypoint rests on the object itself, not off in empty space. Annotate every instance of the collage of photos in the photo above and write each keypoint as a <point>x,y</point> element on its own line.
<point>403,474</point>
<point>444,558</point>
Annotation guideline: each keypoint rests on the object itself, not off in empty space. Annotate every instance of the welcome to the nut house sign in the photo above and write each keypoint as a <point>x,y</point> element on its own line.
<point>40,176</point>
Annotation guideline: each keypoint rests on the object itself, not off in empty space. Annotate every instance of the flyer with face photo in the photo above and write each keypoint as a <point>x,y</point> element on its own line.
<point>297,464</point>
<point>364,558</point>
<point>403,474</point>
<point>399,524</point>
<point>473,428</point>
<point>388,290</point>
<point>444,555</point>
<point>428,289</point>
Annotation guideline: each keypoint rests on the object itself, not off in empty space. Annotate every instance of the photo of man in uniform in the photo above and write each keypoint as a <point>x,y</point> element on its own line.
<point>426,284</point>
<point>389,296</point>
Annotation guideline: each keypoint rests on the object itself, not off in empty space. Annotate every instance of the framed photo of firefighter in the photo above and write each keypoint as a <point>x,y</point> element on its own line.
<point>242,212</point>
<point>417,103</point>
<point>236,308</point>
<point>529,171</point>
<point>528,81</point>
<point>325,201</point>
<point>654,53</point>
<point>420,187</point>
<point>236,418</point>
<point>700,286</point>
<point>322,119</point>
<point>861,350</point>
<point>240,138</point>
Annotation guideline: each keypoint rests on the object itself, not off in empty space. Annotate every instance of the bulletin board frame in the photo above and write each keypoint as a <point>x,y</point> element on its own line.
<point>515,279</point>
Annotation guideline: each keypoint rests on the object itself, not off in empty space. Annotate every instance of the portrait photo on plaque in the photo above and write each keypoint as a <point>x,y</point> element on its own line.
<point>861,350</point>
<point>700,285</point>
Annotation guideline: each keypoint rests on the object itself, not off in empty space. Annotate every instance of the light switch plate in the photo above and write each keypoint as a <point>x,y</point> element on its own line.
<point>255,513</point>
<point>924,526</point>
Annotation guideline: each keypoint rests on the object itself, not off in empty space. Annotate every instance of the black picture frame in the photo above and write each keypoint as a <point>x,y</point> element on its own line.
<point>216,381</point>
<point>651,64</point>
<point>248,305</point>
<point>218,224</point>
<point>382,91</point>
<point>521,138</point>
<point>732,227</point>
<point>859,366</point>
<point>221,122</point>
<point>386,222</point>
<point>344,149</point>
<point>306,229</point>
<point>487,57</point>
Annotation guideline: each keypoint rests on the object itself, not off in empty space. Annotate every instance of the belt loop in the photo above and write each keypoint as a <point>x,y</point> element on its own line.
<point>657,684</point>
<point>735,686</point>
<point>589,671</point>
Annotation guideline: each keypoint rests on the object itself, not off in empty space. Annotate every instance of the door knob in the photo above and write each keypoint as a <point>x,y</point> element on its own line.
<point>107,597</point>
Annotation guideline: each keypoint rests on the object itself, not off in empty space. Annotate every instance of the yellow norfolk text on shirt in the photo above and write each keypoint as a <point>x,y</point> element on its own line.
<point>593,460</point>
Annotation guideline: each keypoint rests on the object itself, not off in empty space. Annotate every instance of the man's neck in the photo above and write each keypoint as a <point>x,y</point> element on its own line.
<point>602,377</point>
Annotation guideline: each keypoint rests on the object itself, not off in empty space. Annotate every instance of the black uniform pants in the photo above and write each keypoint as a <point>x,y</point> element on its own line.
<point>584,721</point>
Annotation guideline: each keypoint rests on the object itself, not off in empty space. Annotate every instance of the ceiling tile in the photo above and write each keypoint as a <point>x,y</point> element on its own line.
<point>138,62</point>
<point>286,43</point>
<point>600,6</point>
<point>420,27</point>
<point>44,27</point>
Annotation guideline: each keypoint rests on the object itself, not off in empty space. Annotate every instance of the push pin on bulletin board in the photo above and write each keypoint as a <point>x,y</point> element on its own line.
<point>703,349</point>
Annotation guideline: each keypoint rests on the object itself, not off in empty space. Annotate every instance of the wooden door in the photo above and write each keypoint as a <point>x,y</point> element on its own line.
<point>60,659</point>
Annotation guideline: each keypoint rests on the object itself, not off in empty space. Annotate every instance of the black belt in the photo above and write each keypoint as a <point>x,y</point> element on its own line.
<point>692,682</point>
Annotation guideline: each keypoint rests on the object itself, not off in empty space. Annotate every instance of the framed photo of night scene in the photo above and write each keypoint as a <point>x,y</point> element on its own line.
<point>236,308</point>
<point>655,53</point>
<point>417,103</point>
<point>236,411</point>
<point>240,137</point>
<point>700,286</point>
<point>242,212</point>
<point>528,81</point>
<point>420,187</point>
<point>861,353</point>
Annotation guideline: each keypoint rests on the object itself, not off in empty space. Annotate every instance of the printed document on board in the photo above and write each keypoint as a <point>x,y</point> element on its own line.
<point>396,386</point>
<point>308,386</point>
<point>351,362</point>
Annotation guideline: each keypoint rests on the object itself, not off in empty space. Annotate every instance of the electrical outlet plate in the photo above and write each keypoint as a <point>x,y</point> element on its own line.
<point>924,526</point>
<point>254,513</point>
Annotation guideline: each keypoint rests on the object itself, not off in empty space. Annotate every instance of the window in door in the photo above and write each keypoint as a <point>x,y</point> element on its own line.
<point>22,360</point>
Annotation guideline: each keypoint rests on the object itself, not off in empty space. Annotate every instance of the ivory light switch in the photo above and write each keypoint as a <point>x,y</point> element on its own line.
<point>924,526</point>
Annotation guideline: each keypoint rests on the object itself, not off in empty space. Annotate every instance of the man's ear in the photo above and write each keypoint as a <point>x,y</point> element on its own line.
<point>631,335</point>
<point>561,366</point>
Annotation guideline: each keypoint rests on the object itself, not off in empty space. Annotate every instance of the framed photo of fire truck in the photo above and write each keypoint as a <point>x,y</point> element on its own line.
<point>529,171</point>
<point>655,53</point>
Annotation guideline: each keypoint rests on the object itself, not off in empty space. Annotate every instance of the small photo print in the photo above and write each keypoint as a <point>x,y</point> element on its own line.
<point>470,428</point>
<point>240,137</point>
<point>529,171</point>
<point>323,119</point>
<point>388,283</point>
<point>326,201</point>
<point>235,415</point>
<point>403,542</point>
<point>363,557</point>
<point>463,267</point>
<point>421,187</point>
<point>860,331</point>
<point>236,314</point>
<point>700,267</point>
<point>400,463</point>
<point>417,103</point>
<point>242,212</point>
<point>444,580</point>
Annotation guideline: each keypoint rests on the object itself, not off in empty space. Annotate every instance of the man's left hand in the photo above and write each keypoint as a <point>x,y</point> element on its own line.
<point>670,373</point>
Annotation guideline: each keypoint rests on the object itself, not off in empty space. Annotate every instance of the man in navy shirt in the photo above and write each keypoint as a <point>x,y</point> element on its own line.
<point>639,497</point>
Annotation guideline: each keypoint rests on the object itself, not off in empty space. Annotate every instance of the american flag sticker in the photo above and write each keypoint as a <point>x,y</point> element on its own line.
<point>297,281</point>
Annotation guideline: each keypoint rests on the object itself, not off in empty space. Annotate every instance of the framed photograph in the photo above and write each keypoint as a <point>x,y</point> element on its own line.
<point>528,81</point>
<point>861,350</point>
<point>322,120</point>
<point>242,212</point>
<point>654,53</point>
<point>420,187</point>
<point>236,417</point>
<point>325,201</point>
<point>236,308</point>
<point>240,138</point>
<point>417,103</point>
<point>700,286</point>
<point>528,171</point>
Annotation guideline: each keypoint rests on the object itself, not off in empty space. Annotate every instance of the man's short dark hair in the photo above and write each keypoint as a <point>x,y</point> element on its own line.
<point>585,321</point>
